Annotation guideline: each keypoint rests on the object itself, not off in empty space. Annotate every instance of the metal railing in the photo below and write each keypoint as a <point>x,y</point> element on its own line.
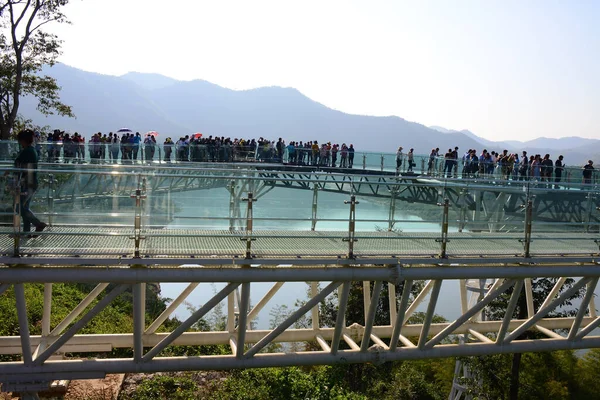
<point>149,205</point>
<point>170,154</point>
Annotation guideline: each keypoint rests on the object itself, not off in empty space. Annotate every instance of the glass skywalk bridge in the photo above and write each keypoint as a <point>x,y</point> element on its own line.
<point>230,211</point>
<point>414,242</point>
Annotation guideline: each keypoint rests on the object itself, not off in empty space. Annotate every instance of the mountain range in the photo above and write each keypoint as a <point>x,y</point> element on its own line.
<point>143,102</point>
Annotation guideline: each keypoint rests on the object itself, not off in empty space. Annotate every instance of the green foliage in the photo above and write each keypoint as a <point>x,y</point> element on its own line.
<point>163,387</point>
<point>283,383</point>
<point>25,48</point>
<point>556,375</point>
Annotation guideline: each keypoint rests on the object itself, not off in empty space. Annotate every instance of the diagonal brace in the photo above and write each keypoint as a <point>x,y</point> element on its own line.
<point>101,305</point>
<point>466,316</point>
<point>542,313</point>
<point>292,318</point>
<point>190,321</point>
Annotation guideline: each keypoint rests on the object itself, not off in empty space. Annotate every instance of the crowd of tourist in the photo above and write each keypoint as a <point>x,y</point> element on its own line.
<point>129,147</point>
<point>505,165</point>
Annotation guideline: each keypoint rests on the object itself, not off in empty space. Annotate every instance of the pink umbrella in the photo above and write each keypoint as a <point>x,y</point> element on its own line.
<point>197,135</point>
<point>152,133</point>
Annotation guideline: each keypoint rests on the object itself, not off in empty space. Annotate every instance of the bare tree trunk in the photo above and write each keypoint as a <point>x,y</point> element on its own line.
<point>5,131</point>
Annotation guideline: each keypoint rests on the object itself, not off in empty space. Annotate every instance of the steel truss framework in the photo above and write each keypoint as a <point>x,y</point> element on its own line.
<point>339,343</point>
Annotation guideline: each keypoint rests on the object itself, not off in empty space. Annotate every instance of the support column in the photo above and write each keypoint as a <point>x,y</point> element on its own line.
<point>445,222</point>
<point>392,211</point>
<point>351,226</point>
<point>249,225</point>
<point>139,320</point>
<point>315,203</point>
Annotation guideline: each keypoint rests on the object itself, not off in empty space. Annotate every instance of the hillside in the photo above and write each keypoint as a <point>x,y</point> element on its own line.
<point>152,102</point>
<point>144,102</point>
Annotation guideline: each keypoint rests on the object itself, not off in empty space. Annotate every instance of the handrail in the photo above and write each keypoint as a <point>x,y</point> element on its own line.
<point>86,201</point>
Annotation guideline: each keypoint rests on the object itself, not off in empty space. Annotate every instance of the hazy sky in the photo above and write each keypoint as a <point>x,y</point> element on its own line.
<point>503,69</point>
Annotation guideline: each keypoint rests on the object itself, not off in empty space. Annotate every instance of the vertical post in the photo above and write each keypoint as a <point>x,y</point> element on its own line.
<point>314,291</point>
<point>444,238</point>
<point>23,323</point>
<point>392,211</point>
<point>528,218</point>
<point>232,206</point>
<point>463,209</point>
<point>315,203</point>
<point>364,161</point>
<point>231,312</point>
<point>366,298</point>
<point>51,193</point>
<point>47,311</point>
<point>423,165</point>
<point>243,319</point>
<point>17,218</point>
<point>392,303</point>
<point>351,225</point>
<point>370,316</point>
<point>139,320</point>
<point>589,210</point>
<point>382,161</point>
<point>249,225</point>
<point>137,225</point>
<point>340,321</point>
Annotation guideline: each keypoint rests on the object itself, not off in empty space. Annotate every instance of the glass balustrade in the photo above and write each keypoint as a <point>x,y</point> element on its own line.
<point>230,210</point>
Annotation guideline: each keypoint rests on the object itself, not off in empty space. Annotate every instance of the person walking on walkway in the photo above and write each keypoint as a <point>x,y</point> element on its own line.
<point>399,156</point>
<point>588,172</point>
<point>411,160</point>
<point>27,162</point>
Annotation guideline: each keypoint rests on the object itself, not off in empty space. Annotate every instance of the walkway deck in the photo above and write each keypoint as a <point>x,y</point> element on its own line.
<point>158,243</point>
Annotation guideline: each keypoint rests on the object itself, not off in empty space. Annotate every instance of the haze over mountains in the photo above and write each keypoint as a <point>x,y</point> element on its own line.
<point>144,102</point>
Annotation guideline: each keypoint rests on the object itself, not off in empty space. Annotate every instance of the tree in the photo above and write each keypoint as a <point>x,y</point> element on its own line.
<point>500,374</point>
<point>25,48</point>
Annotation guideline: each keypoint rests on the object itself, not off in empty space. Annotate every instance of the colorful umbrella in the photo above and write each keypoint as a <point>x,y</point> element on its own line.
<point>152,133</point>
<point>197,135</point>
<point>124,130</point>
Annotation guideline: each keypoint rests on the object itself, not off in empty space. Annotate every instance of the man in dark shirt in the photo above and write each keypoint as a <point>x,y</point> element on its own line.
<point>351,156</point>
<point>558,170</point>
<point>588,172</point>
<point>27,161</point>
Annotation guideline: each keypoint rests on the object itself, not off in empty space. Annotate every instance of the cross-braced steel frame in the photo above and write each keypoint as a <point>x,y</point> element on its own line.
<point>397,339</point>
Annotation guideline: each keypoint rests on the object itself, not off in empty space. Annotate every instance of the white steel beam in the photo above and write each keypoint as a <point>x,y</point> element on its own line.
<point>139,320</point>
<point>430,312</point>
<point>263,302</point>
<point>57,344</point>
<point>510,309</point>
<point>341,317</point>
<point>59,369</point>
<point>321,341</point>
<point>467,315</point>
<point>171,308</point>
<point>545,310</point>
<point>392,303</point>
<point>555,289</point>
<point>587,298</point>
<point>370,316</point>
<point>187,324</point>
<point>23,323</point>
<point>401,312</point>
<point>243,319</point>
<point>291,319</point>
<point>529,297</point>
<point>267,274</point>
<point>79,309</point>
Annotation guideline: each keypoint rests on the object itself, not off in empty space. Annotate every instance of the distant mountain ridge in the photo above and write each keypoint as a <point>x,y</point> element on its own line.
<point>143,102</point>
